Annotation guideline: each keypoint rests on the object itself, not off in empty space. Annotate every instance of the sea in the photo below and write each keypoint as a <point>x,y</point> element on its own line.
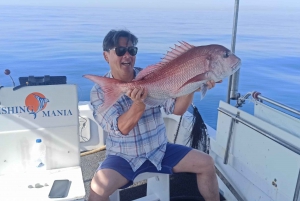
<point>67,41</point>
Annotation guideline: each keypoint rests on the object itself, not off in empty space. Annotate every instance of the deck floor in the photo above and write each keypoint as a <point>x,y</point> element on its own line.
<point>182,185</point>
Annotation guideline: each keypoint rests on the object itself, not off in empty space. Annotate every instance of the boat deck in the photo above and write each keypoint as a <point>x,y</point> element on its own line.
<point>183,186</point>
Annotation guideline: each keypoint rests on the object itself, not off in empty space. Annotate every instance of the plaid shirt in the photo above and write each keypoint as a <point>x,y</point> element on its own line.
<point>147,140</point>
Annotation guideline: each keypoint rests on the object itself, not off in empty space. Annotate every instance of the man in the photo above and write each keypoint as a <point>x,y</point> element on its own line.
<point>136,140</point>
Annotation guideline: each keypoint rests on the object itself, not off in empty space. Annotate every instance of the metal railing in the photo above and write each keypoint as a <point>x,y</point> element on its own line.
<point>257,95</point>
<point>232,93</point>
<point>233,82</point>
<point>261,131</point>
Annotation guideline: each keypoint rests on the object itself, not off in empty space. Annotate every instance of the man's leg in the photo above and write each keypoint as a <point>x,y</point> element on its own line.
<point>104,183</point>
<point>203,165</point>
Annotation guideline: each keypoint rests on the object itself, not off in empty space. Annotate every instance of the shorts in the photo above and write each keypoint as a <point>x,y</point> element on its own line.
<point>174,154</point>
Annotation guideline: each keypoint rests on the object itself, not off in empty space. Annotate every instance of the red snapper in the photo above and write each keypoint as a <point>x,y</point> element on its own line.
<point>183,70</point>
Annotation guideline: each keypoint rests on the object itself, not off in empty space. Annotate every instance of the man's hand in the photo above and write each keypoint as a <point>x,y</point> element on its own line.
<point>182,103</point>
<point>129,119</point>
<point>137,94</point>
<point>210,84</point>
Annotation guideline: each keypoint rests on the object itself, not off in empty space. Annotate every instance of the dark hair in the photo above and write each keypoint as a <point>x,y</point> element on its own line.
<point>112,38</point>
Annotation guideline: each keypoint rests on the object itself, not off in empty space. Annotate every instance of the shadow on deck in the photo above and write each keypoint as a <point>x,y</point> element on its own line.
<point>183,186</point>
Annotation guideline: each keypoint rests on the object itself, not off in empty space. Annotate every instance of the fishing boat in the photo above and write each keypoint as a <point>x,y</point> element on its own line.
<point>256,153</point>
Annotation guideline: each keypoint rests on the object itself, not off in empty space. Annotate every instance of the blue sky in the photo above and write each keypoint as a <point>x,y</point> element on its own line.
<point>157,3</point>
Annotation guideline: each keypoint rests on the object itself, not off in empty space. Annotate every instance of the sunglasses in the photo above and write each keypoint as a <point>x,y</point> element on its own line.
<point>120,51</point>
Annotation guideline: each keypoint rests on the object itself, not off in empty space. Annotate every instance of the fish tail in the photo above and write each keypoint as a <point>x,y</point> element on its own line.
<point>112,92</point>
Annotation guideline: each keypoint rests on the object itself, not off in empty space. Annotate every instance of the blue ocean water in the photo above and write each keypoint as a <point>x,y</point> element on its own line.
<point>68,41</point>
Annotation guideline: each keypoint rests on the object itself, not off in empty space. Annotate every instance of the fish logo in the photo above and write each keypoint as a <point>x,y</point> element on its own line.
<point>36,102</point>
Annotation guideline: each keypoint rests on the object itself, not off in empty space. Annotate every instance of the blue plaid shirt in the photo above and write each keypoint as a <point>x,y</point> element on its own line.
<point>147,140</point>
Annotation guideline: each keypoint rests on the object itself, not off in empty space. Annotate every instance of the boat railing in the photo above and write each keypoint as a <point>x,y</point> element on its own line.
<point>257,96</point>
<point>236,118</point>
<point>233,82</point>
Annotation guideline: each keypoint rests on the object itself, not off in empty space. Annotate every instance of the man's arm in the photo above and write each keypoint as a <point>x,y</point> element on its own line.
<point>128,120</point>
<point>182,103</point>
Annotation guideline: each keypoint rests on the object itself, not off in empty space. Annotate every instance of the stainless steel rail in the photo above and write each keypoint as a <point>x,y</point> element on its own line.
<point>258,96</point>
<point>233,120</point>
<point>234,79</point>
<point>297,190</point>
<point>263,132</point>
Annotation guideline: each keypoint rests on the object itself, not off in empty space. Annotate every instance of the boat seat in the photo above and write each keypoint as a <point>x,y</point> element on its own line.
<point>158,187</point>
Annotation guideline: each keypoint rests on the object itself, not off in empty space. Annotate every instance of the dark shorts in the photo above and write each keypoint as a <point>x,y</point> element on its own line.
<point>174,154</point>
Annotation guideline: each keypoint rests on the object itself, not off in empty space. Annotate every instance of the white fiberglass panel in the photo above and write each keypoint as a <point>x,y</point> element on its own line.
<point>38,107</point>
<point>47,112</point>
<point>279,119</point>
<point>265,164</point>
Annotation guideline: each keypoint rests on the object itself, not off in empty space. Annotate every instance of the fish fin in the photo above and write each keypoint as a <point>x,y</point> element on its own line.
<point>197,78</point>
<point>176,52</point>
<point>110,88</point>
<point>195,82</point>
<point>203,90</point>
<point>147,71</point>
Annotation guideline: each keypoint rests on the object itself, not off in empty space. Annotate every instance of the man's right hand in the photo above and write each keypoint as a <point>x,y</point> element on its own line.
<point>137,94</point>
<point>130,118</point>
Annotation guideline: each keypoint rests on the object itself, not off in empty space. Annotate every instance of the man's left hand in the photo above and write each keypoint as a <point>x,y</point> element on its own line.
<point>210,84</point>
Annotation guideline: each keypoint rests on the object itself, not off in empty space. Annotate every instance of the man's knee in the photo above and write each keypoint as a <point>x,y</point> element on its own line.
<point>210,161</point>
<point>100,189</point>
<point>93,196</point>
<point>209,164</point>
<point>202,161</point>
<point>105,182</point>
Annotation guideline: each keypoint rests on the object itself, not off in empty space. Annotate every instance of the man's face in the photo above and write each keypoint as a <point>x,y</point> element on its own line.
<point>120,65</point>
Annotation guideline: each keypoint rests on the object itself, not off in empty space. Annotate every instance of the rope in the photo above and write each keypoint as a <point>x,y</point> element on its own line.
<point>199,135</point>
<point>178,127</point>
<point>93,151</point>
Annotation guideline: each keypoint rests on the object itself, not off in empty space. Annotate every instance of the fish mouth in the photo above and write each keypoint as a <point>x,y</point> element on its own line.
<point>235,67</point>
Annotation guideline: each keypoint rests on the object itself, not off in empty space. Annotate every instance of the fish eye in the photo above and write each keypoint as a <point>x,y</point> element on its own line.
<point>226,54</point>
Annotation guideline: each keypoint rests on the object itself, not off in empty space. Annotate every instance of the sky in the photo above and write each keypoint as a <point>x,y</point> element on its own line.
<point>179,4</point>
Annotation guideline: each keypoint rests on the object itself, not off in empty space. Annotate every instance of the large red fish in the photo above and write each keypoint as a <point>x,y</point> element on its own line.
<point>183,70</point>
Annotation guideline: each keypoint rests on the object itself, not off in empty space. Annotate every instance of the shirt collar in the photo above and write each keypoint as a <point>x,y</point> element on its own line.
<point>110,75</point>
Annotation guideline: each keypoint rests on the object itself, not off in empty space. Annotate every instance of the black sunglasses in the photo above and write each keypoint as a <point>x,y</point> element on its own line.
<point>120,51</point>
